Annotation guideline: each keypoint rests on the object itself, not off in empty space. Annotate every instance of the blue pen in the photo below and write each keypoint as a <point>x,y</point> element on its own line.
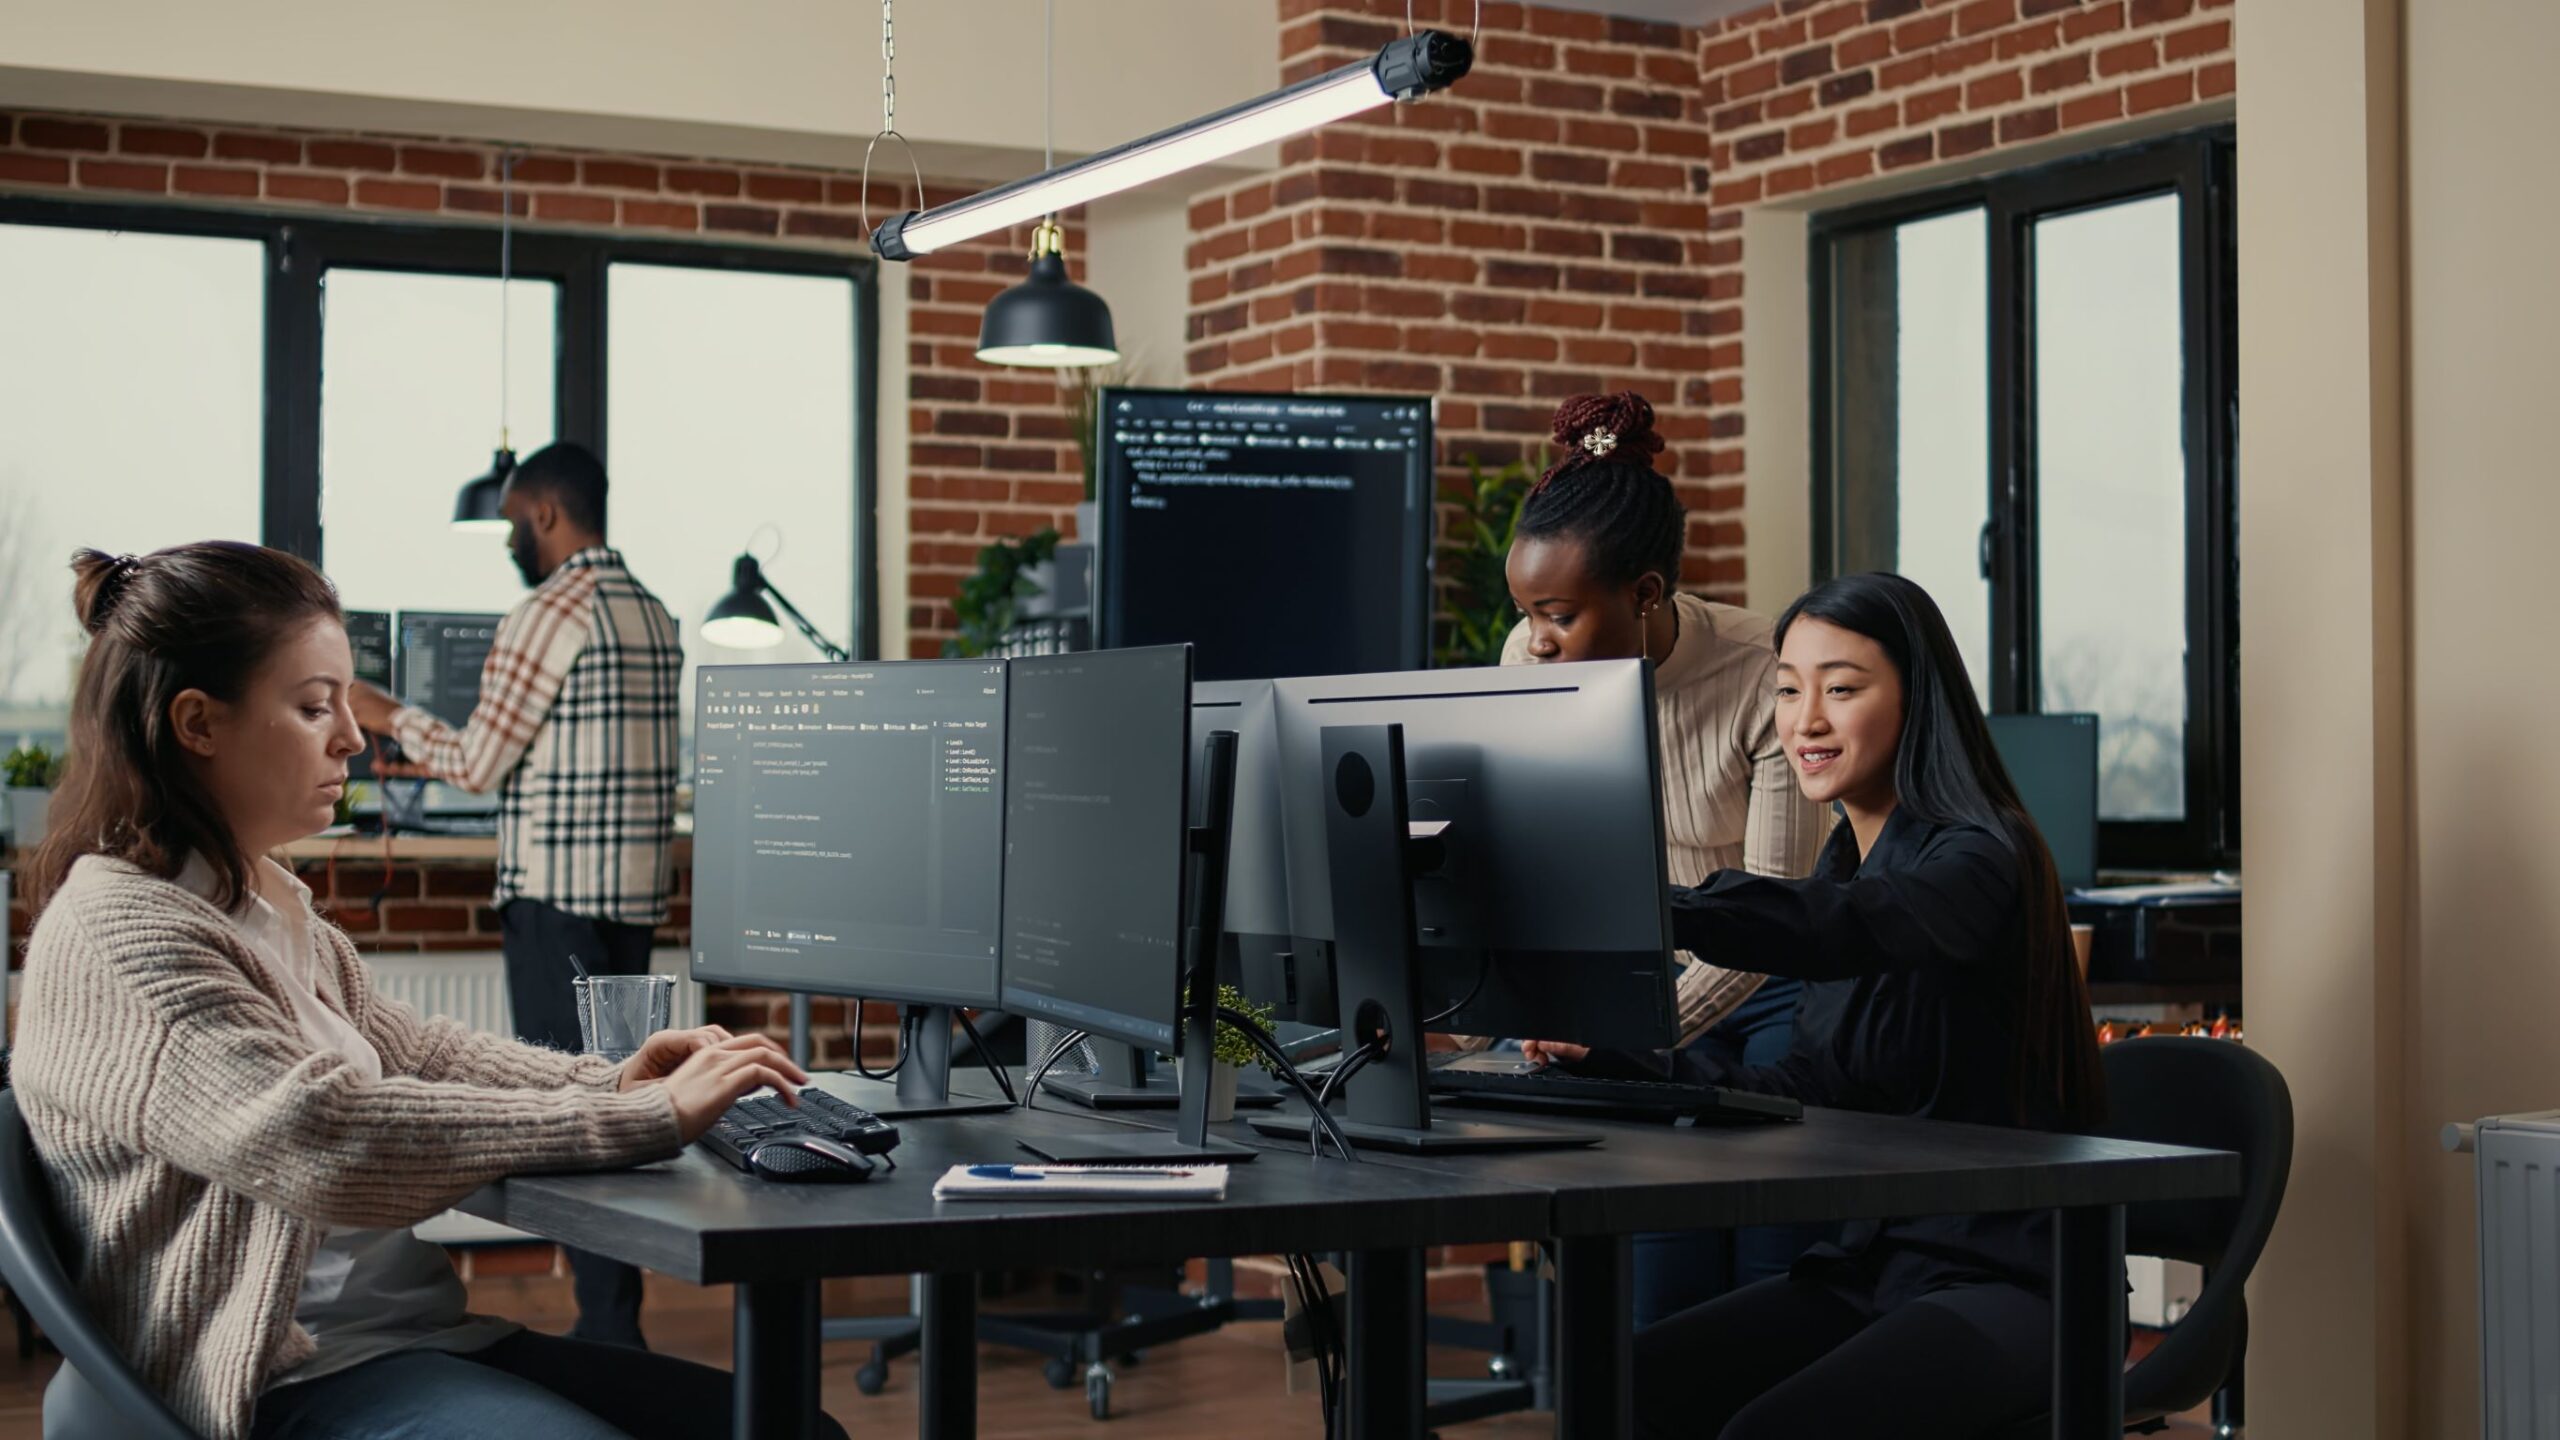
<point>1035,1172</point>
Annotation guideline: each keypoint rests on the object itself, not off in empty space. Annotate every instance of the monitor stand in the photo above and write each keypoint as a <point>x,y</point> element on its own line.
<point>1128,1082</point>
<point>1204,918</point>
<point>1371,859</point>
<point>922,1087</point>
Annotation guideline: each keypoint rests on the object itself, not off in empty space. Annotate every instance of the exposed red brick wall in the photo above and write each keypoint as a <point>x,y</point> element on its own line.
<point>1568,217</point>
<point>990,452</point>
<point>1538,230</point>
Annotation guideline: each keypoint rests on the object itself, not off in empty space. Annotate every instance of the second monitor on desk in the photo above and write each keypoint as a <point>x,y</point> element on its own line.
<point>848,832</point>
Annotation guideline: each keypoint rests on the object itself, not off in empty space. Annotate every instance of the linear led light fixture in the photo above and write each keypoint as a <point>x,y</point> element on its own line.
<point>1406,69</point>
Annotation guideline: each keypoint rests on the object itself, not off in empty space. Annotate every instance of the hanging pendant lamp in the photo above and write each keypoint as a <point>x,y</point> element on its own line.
<point>475,505</point>
<point>1048,320</point>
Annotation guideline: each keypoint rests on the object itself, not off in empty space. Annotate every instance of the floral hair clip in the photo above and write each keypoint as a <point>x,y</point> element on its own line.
<point>1600,442</point>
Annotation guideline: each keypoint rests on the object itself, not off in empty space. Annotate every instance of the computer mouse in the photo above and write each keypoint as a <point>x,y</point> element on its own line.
<point>803,1158</point>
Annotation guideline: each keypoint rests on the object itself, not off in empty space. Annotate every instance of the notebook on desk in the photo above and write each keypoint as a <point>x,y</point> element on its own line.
<point>1082,1182</point>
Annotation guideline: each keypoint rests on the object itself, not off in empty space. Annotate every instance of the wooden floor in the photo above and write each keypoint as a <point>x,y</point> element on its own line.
<point>1232,1383</point>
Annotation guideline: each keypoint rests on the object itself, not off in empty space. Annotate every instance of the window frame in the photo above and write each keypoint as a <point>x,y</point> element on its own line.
<point>2198,166</point>
<point>301,250</point>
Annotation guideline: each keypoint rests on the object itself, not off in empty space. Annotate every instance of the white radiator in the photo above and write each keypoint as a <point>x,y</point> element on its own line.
<point>2519,1184</point>
<point>471,986</point>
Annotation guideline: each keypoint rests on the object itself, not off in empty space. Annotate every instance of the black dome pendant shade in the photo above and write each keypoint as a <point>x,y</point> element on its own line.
<point>475,505</point>
<point>1048,319</point>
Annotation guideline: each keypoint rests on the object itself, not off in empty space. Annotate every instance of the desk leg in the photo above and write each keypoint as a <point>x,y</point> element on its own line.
<point>1595,1337</point>
<point>2088,1323</point>
<point>775,1352</point>
<point>1384,1344</point>
<point>947,1406</point>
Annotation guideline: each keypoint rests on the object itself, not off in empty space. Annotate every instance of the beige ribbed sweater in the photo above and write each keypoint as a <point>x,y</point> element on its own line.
<point>199,1145</point>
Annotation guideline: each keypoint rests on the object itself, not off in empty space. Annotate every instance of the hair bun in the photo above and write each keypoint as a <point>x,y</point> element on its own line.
<point>98,580</point>
<point>1617,428</point>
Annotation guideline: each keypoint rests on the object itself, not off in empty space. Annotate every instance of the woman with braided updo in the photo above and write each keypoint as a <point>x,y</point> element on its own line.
<point>1595,570</point>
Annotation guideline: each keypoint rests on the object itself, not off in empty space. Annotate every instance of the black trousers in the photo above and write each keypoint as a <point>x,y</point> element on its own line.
<point>1790,1358</point>
<point>539,939</point>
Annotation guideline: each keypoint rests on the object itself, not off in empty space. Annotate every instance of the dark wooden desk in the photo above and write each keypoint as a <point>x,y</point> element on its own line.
<point>699,1220</point>
<point>1836,1165</point>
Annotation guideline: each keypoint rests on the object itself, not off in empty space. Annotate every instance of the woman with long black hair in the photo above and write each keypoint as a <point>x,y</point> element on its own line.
<point>1940,984</point>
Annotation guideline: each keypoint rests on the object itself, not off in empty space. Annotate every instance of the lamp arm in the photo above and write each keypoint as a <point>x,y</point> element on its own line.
<point>825,646</point>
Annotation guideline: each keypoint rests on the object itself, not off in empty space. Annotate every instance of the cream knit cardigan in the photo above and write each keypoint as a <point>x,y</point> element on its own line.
<point>198,1145</point>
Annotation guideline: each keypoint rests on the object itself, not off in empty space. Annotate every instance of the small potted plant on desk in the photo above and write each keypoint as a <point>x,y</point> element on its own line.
<point>1232,1052</point>
<point>31,772</point>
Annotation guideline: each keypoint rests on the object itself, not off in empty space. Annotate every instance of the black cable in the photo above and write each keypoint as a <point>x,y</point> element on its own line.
<point>854,1032</point>
<point>978,1042</point>
<point>1031,1085</point>
<point>1367,1051</point>
<point>1314,1306</point>
<point>1484,967</point>
<point>1287,1070</point>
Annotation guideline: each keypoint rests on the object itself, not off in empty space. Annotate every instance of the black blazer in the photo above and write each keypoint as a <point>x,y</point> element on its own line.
<point>1915,961</point>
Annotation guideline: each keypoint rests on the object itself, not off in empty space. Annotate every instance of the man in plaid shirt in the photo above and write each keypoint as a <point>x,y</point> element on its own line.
<point>576,731</point>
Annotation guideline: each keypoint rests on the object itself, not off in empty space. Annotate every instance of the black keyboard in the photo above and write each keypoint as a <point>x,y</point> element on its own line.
<point>1507,1081</point>
<point>759,1118</point>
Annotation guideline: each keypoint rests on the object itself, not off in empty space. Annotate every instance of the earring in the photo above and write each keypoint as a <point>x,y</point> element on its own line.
<point>1644,622</point>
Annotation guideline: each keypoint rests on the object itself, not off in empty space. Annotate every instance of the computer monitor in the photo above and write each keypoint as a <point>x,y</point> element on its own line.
<point>438,659</point>
<point>848,838</point>
<point>1254,952</point>
<point>369,637</point>
<point>1228,520</point>
<point>1483,852</point>
<point>2053,760</point>
<point>1098,855</point>
<point>435,665</point>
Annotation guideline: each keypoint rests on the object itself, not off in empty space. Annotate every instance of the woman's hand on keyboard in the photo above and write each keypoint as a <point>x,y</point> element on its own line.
<point>715,1077</point>
<point>659,1055</point>
<point>1554,1052</point>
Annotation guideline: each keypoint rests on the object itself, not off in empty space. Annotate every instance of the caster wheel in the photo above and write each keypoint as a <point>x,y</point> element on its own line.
<point>1097,1392</point>
<point>1059,1374</point>
<point>871,1379</point>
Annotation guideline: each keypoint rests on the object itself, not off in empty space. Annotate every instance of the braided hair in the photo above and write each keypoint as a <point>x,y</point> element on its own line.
<point>1604,492</point>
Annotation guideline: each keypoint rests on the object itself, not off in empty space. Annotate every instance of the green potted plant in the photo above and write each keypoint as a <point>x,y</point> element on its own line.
<point>31,772</point>
<point>1476,613</point>
<point>1232,1052</point>
<point>991,599</point>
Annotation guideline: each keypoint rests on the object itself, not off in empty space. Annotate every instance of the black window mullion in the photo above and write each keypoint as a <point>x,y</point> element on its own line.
<point>2011,543</point>
<point>291,391</point>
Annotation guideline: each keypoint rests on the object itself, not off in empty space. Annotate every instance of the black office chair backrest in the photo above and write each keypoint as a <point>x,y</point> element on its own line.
<point>31,1250</point>
<point>2213,1095</point>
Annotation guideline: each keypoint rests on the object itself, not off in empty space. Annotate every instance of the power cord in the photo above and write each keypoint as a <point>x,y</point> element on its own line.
<point>978,1043</point>
<point>1484,967</point>
<point>1367,1051</point>
<point>1287,1069</point>
<point>1324,1343</point>
<point>1031,1085</point>
<point>853,1032</point>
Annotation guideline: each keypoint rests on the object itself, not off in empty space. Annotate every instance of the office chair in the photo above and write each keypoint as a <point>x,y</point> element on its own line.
<point>2215,1095</point>
<point>97,1397</point>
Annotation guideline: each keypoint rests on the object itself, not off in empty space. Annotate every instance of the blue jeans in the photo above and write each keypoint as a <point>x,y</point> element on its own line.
<point>1678,1269</point>
<point>527,1384</point>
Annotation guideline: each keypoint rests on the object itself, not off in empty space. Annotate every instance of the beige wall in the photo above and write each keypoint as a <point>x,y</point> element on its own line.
<point>780,80</point>
<point>2483,314</point>
<point>2397,495</point>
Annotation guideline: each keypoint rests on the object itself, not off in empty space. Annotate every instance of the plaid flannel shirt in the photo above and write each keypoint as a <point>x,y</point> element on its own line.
<point>576,731</point>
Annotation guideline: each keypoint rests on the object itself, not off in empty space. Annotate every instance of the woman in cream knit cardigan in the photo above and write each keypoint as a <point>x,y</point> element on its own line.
<point>237,1129</point>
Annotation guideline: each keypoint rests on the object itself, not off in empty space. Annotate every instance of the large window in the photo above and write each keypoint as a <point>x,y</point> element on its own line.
<point>326,387</point>
<point>129,419</point>
<point>2025,401</point>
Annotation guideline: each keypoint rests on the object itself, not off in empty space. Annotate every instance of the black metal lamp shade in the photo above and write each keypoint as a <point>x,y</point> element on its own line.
<point>1048,320</point>
<point>475,505</point>
<point>742,620</point>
